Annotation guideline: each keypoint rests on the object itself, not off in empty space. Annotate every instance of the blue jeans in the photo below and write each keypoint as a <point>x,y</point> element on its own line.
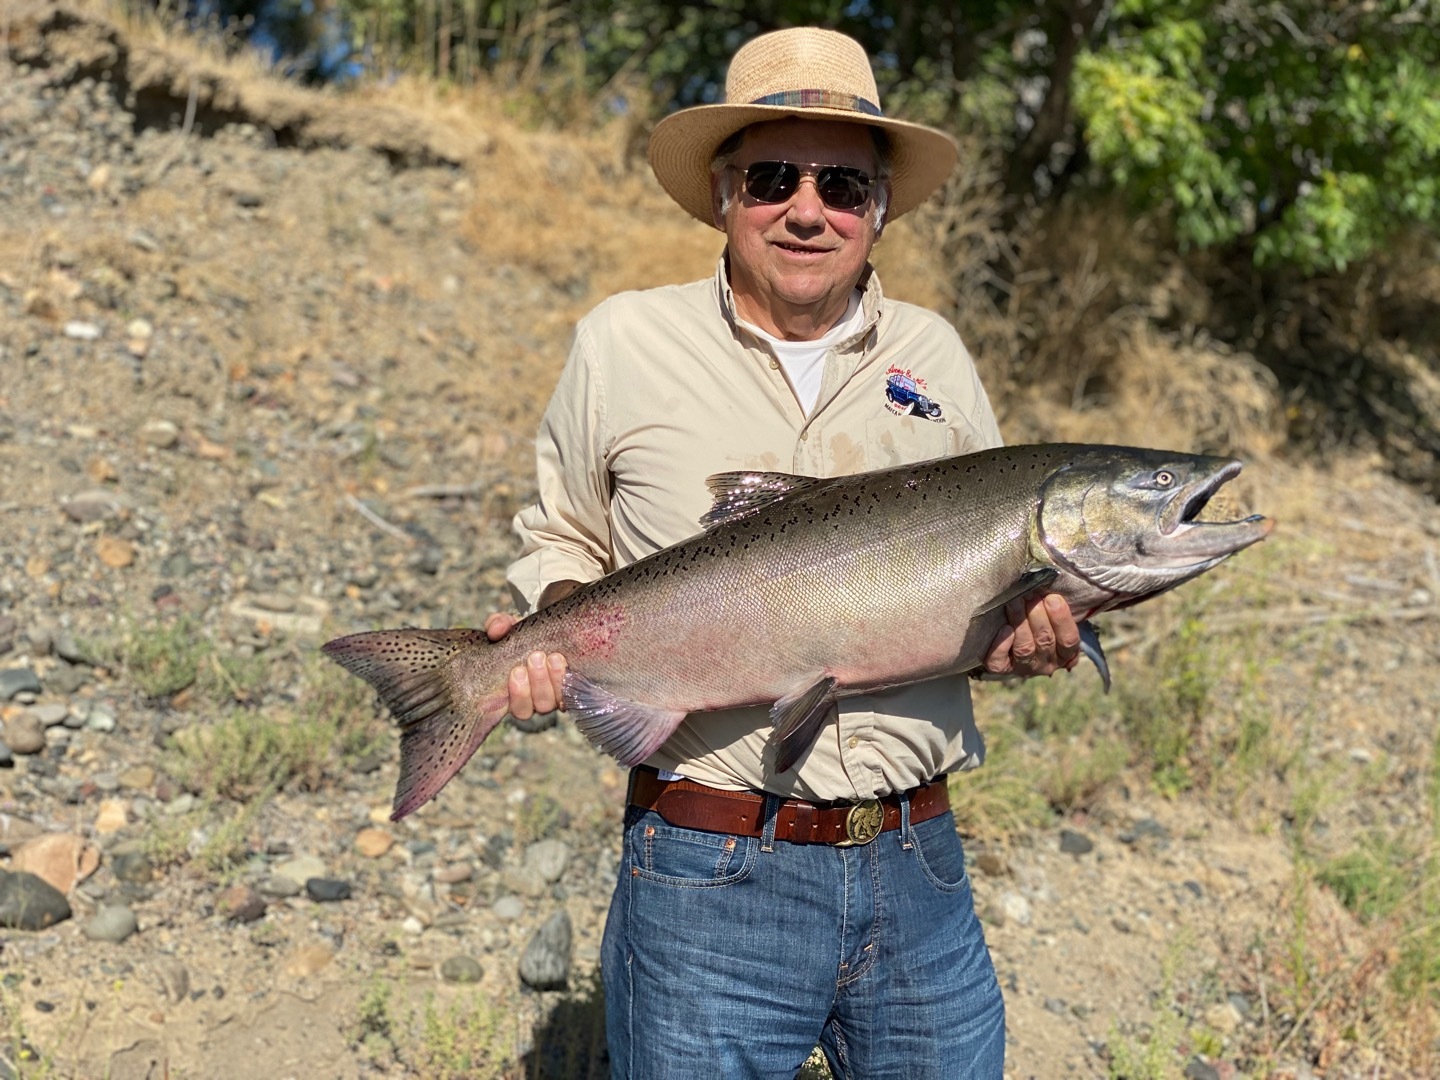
<point>727,956</point>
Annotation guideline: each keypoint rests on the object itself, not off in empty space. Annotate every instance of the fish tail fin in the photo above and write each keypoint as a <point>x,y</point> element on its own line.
<point>442,721</point>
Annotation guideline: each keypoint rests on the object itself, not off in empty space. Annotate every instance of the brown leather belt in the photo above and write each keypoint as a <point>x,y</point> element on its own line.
<point>692,805</point>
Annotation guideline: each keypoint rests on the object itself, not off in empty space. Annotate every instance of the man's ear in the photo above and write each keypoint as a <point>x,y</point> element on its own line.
<point>717,210</point>
<point>882,213</point>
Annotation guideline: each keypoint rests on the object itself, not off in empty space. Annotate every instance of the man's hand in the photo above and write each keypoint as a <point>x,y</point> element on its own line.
<point>1041,638</point>
<point>538,685</point>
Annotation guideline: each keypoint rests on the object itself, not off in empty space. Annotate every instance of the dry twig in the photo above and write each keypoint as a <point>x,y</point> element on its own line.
<point>379,522</point>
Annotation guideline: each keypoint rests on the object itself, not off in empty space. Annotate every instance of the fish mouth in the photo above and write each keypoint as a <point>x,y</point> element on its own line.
<point>1184,534</point>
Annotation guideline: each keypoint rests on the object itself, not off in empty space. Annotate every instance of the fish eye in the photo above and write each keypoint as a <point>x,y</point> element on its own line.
<point>1164,478</point>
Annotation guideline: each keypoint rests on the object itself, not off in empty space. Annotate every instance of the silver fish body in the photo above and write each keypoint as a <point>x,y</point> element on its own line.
<point>803,590</point>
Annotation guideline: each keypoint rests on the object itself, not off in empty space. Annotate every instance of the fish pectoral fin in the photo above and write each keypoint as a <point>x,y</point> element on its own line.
<point>798,717</point>
<point>1028,581</point>
<point>740,494</point>
<point>1090,646</point>
<point>626,730</point>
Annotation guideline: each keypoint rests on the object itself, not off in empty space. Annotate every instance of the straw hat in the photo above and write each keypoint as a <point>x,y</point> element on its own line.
<point>811,74</point>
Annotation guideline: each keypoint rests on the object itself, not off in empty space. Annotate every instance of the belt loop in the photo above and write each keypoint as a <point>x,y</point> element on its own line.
<point>905,842</point>
<point>771,811</point>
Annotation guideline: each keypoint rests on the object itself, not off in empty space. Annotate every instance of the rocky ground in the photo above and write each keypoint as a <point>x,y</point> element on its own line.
<point>258,386</point>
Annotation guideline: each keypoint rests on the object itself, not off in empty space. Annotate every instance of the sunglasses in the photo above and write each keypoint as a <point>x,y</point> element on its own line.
<point>840,187</point>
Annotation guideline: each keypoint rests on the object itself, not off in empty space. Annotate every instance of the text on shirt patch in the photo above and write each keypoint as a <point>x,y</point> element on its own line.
<point>905,395</point>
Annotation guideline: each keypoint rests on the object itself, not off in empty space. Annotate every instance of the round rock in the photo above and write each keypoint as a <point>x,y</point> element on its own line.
<point>113,923</point>
<point>301,869</point>
<point>29,903</point>
<point>18,681</point>
<point>461,969</point>
<point>546,962</point>
<point>548,858</point>
<point>509,908</point>
<point>25,734</point>
<point>326,890</point>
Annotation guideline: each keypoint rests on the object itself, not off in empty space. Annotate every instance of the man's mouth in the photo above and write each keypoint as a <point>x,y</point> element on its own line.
<point>800,249</point>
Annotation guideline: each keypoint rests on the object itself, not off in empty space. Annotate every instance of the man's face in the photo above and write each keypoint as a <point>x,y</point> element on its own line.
<point>793,264</point>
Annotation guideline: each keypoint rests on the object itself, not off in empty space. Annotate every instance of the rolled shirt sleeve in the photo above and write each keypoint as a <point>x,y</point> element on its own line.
<point>565,534</point>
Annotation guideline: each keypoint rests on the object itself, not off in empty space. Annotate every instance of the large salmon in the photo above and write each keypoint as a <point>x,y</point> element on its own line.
<point>800,591</point>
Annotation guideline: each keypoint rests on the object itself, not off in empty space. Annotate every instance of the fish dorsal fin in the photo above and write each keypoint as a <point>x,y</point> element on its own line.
<point>740,494</point>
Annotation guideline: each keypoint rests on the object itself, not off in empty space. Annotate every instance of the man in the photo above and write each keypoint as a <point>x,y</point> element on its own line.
<point>731,949</point>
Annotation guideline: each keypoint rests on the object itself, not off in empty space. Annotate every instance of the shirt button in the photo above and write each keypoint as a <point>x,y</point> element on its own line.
<point>854,741</point>
<point>774,364</point>
<point>805,435</point>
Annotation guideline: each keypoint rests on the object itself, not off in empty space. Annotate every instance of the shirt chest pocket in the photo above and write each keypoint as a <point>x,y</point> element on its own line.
<point>903,440</point>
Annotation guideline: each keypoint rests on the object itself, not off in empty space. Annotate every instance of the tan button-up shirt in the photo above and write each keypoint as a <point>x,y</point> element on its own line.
<point>665,387</point>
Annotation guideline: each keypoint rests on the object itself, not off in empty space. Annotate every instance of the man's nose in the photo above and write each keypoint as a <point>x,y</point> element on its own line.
<point>806,207</point>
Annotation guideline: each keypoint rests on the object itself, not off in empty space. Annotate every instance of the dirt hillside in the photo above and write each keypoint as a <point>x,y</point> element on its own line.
<point>270,365</point>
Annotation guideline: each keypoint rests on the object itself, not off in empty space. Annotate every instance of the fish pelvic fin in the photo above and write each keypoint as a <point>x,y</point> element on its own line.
<point>441,726</point>
<point>797,718</point>
<point>1090,646</point>
<point>628,731</point>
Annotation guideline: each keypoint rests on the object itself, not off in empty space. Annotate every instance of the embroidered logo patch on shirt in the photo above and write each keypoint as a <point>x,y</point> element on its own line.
<point>905,395</point>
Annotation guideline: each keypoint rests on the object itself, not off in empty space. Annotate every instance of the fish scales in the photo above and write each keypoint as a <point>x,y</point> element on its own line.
<point>802,591</point>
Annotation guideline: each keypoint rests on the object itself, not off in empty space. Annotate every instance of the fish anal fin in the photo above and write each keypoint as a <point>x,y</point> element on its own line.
<point>1026,582</point>
<point>798,717</point>
<point>628,731</point>
<point>739,494</point>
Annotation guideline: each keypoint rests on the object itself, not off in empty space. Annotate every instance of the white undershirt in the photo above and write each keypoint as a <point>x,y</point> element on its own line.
<point>804,365</point>
<point>804,361</point>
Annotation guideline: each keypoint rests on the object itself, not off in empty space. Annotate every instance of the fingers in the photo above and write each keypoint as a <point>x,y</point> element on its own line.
<point>1066,629</point>
<point>537,686</point>
<point>1025,650</point>
<point>997,661</point>
<point>499,624</point>
<point>1041,637</point>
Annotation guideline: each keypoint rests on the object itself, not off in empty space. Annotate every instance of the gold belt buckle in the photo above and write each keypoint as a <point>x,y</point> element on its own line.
<point>862,823</point>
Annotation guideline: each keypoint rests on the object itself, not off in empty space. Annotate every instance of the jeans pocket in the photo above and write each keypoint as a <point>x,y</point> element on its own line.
<point>687,858</point>
<point>940,854</point>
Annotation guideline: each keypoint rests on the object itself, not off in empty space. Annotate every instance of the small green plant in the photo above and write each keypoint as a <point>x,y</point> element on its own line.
<point>1163,717</point>
<point>1080,772</point>
<point>1001,799</point>
<point>375,1024</point>
<point>1156,1055</point>
<point>252,750</point>
<point>167,840</point>
<point>540,816</point>
<point>815,1067</point>
<point>163,658</point>
<point>228,844</point>
<point>460,1041</point>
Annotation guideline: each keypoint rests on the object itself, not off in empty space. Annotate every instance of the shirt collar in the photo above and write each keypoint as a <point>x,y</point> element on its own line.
<point>872,299</point>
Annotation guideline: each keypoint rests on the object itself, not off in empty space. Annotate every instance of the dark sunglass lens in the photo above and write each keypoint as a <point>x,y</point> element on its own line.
<point>842,188</point>
<point>771,181</point>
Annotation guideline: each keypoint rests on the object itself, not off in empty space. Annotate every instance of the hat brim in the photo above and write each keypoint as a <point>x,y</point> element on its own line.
<point>684,143</point>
